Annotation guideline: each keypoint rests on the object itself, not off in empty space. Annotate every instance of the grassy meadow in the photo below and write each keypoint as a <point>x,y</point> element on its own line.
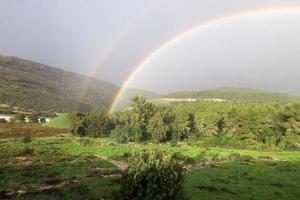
<point>60,166</point>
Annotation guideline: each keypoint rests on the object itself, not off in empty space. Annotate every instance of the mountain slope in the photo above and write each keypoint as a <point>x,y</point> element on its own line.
<point>238,94</point>
<point>36,86</point>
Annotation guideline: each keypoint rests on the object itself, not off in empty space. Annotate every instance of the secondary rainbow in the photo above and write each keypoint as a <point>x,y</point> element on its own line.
<point>198,27</point>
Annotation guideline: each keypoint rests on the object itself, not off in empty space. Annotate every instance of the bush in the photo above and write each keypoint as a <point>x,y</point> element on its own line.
<point>33,118</point>
<point>122,134</point>
<point>2,120</point>
<point>85,141</point>
<point>42,120</point>
<point>27,151</point>
<point>152,175</point>
<point>20,117</point>
<point>26,139</point>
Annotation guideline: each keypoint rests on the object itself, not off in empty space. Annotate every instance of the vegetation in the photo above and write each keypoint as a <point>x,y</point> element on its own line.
<point>33,117</point>
<point>230,150</point>
<point>152,175</point>
<point>26,138</point>
<point>236,94</point>
<point>20,118</point>
<point>35,86</point>
<point>91,124</point>
<point>62,121</point>
<point>74,171</point>
<point>2,120</point>
<point>39,87</point>
<point>240,125</point>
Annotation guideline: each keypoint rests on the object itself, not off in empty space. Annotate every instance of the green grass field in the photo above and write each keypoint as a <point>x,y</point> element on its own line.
<point>65,167</point>
<point>62,121</point>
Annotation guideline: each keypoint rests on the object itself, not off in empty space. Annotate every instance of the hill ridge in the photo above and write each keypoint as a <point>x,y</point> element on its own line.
<point>235,93</point>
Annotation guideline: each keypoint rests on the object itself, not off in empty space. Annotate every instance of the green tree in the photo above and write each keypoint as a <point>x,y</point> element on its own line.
<point>142,112</point>
<point>160,126</point>
<point>184,125</point>
<point>77,125</point>
<point>91,124</point>
<point>95,123</point>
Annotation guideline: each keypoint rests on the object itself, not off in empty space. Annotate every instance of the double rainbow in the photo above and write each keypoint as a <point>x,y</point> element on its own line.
<point>196,28</point>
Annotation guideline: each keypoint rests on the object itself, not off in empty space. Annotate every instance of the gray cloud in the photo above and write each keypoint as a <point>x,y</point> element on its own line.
<point>76,35</point>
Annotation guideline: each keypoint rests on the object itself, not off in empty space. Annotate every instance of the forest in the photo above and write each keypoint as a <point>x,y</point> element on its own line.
<point>233,124</point>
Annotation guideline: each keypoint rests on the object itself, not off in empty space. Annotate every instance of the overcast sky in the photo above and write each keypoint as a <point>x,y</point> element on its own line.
<point>108,38</point>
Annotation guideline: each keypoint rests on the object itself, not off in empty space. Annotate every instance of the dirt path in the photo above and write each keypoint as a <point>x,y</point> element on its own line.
<point>49,185</point>
<point>121,165</point>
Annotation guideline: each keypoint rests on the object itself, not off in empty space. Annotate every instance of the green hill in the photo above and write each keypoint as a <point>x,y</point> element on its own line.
<point>237,94</point>
<point>36,86</point>
<point>62,121</point>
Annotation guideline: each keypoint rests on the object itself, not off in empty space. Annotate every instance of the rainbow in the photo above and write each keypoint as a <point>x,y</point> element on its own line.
<point>106,57</point>
<point>198,27</point>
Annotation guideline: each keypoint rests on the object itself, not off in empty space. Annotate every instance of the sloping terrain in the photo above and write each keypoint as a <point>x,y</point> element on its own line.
<point>40,87</point>
<point>237,94</point>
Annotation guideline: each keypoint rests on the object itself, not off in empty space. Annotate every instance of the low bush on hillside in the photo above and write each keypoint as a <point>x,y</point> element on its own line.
<point>3,120</point>
<point>26,138</point>
<point>85,141</point>
<point>20,118</point>
<point>152,175</point>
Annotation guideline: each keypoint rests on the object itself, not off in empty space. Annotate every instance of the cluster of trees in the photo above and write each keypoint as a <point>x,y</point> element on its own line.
<point>266,123</point>
<point>250,122</point>
<point>142,122</point>
<point>89,124</point>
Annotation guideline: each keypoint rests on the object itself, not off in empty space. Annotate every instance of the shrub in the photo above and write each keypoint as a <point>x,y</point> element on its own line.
<point>2,120</point>
<point>20,117</point>
<point>152,175</point>
<point>122,134</point>
<point>33,117</point>
<point>42,120</point>
<point>26,138</point>
<point>85,141</point>
<point>27,151</point>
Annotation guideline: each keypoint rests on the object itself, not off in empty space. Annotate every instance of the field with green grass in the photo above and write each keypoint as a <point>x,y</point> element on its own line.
<point>62,121</point>
<point>67,167</point>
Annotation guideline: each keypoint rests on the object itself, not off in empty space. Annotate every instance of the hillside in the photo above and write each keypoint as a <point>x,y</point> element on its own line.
<point>237,94</point>
<point>62,121</point>
<point>36,86</point>
<point>40,87</point>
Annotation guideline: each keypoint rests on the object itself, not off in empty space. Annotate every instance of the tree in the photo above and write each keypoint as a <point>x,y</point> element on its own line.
<point>95,123</point>
<point>123,134</point>
<point>91,124</point>
<point>160,126</point>
<point>290,119</point>
<point>142,111</point>
<point>207,123</point>
<point>184,125</point>
<point>77,126</point>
